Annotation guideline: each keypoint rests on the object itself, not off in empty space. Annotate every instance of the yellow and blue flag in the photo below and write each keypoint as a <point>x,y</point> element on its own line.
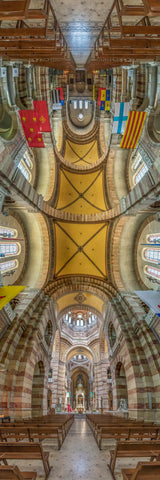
<point>105,99</point>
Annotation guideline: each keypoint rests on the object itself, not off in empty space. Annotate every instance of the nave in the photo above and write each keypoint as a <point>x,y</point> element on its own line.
<point>79,456</point>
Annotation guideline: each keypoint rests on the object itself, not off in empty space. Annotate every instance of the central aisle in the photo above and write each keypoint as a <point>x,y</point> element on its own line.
<point>79,457</point>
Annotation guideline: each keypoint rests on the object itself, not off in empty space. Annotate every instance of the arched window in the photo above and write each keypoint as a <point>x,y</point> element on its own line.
<point>140,174</point>
<point>50,375</point>
<point>8,249</point>
<point>24,170</point>
<point>8,266</point>
<point>152,255</point>
<point>8,232</point>
<point>152,272</point>
<point>153,238</point>
<point>138,161</point>
<point>25,165</point>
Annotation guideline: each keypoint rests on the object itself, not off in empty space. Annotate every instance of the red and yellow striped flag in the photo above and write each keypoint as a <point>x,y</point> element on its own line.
<point>133,129</point>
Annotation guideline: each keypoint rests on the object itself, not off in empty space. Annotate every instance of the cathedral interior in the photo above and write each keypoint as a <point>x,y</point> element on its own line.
<point>80,230</point>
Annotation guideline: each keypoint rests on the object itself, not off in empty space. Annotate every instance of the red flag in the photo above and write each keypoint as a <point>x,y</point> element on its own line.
<point>99,96</point>
<point>61,94</point>
<point>35,141</point>
<point>29,120</point>
<point>41,110</point>
<point>30,124</point>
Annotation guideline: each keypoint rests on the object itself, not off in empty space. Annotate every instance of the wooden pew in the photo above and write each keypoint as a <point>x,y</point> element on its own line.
<point>134,449</point>
<point>143,471</point>
<point>25,451</point>
<point>126,432</point>
<point>38,428</point>
<point>8,472</point>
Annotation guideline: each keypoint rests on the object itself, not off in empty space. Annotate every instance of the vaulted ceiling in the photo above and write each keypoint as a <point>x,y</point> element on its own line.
<point>126,29</point>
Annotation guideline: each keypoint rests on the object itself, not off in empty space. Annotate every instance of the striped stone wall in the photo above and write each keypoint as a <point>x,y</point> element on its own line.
<point>137,349</point>
<point>22,347</point>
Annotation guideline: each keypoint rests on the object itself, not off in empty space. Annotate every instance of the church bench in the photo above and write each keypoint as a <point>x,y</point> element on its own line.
<point>7,472</point>
<point>143,471</point>
<point>134,449</point>
<point>17,433</point>
<point>25,451</point>
<point>32,432</point>
<point>41,432</point>
<point>125,432</point>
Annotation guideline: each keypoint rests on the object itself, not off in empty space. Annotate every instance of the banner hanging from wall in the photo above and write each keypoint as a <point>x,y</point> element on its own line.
<point>34,122</point>
<point>9,292</point>
<point>133,130</point>
<point>151,298</point>
<point>120,117</point>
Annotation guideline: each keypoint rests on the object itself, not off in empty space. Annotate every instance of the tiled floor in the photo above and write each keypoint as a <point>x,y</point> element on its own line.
<point>78,459</point>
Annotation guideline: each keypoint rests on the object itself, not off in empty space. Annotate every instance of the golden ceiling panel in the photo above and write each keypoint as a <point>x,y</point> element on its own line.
<point>89,299</point>
<point>80,249</point>
<point>81,154</point>
<point>81,193</point>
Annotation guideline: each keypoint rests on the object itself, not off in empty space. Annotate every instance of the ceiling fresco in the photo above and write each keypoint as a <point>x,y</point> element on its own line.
<point>81,154</point>
<point>81,193</point>
<point>80,249</point>
<point>71,299</point>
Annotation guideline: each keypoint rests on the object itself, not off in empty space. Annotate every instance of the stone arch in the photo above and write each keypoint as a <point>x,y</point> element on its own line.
<point>149,226</point>
<point>8,123</point>
<point>37,264</point>
<point>82,372</point>
<point>123,240</point>
<point>153,125</point>
<point>73,350</point>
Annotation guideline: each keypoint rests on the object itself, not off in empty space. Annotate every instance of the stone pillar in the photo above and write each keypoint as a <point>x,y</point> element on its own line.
<point>10,83</point>
<point>3,193</point>
<point>134,82</point>
<point>28,85</point>
<point>153,85</point>
<point>124,94</point>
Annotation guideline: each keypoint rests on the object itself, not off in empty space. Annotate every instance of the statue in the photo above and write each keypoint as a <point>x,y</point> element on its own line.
<point>123,405</point>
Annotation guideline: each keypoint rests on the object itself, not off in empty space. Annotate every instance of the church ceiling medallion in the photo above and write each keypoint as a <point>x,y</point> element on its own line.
<point>70,301</point>
<point>80,298</point>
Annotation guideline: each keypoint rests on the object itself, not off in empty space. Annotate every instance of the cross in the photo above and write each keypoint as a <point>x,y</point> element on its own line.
<point>121,118</point>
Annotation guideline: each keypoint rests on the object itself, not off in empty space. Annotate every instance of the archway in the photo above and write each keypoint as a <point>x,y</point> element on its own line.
<point>121,385</point>
<point>38,389</point>
<point>80,390</point>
